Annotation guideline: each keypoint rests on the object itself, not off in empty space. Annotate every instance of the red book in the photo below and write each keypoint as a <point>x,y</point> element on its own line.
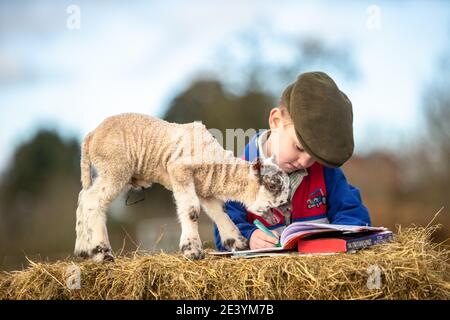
<point>322,246</point>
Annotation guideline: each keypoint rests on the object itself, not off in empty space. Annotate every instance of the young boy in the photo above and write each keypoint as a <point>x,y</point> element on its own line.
<point>311,135</point>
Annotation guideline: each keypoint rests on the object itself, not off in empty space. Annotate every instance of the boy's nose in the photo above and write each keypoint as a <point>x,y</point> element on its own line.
<point>306,161</point>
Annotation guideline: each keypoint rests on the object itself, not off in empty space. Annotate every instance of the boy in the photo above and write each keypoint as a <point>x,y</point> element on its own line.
<point>311,135</point>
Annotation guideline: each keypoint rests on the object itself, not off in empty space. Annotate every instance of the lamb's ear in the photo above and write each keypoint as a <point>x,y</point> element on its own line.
<point>273,159</point>
<point>256,166</point>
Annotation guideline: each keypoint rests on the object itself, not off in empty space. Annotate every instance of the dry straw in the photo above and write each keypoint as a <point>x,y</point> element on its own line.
<point>412,267</point>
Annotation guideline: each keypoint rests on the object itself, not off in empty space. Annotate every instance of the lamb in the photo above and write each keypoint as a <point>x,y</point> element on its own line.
<point>133,150</point>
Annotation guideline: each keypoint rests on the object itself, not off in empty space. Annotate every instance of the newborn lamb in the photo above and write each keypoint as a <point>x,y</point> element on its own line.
<point>133,151</point>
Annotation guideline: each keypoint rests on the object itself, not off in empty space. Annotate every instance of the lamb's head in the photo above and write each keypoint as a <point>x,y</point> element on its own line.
<point>273,190</point>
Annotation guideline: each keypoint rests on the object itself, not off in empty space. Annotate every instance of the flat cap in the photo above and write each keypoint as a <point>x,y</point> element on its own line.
<point>322,116</point>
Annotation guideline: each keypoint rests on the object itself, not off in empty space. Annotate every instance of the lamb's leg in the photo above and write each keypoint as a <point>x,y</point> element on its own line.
<point>92,236</point>
<point>229,233</point>
<point>188,210</point>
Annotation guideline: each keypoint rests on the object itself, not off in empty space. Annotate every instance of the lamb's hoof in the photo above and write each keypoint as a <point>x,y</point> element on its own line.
<point>100,253</point>
<point>107,258</point>
<point>81,254</point>
<point>239,243</point>
<point>192,252</point>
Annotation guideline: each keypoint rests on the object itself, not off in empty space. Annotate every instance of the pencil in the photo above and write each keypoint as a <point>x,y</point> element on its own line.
<point>263,228</point>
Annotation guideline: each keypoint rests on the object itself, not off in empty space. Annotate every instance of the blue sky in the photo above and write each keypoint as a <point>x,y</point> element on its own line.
<point>136,56</point>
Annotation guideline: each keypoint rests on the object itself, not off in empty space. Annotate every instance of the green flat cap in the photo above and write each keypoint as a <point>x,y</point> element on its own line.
<point>322,116</point>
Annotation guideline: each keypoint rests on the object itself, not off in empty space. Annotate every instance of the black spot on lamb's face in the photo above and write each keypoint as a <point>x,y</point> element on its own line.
<point>273,184</point>
<point>277,186</point>
<point>274,190</point>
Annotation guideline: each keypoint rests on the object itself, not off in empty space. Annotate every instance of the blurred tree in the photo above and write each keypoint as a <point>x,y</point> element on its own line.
<point>206,100</point>
<point>37,191</point>
<point>436,143</point>
<point>38,200</point>
<point>414,183</point>
<point>36,161</point>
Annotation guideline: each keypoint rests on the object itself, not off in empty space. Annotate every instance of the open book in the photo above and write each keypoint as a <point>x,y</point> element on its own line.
<point>308,237</point>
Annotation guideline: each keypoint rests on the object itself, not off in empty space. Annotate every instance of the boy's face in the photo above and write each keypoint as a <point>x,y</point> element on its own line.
<point>284,143</point>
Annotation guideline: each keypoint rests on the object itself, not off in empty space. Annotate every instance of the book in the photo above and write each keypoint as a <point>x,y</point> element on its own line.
<point>307,231</point>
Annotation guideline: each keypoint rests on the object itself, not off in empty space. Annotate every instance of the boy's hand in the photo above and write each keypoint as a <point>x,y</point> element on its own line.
<point>260,239</point>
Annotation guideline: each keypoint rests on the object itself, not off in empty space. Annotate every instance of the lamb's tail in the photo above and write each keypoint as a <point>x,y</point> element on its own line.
<point>86,179</point>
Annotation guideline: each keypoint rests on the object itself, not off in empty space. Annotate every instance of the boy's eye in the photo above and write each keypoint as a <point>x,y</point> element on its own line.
<point>300,149</point>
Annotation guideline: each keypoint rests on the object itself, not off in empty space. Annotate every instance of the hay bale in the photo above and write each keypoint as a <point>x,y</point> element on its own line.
<point>412,267</point>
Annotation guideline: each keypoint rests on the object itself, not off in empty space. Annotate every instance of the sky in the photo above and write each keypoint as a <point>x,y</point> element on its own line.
<point>135,56</point>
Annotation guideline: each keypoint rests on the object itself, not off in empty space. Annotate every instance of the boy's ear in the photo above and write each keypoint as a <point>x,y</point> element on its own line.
<point>275,118</point>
